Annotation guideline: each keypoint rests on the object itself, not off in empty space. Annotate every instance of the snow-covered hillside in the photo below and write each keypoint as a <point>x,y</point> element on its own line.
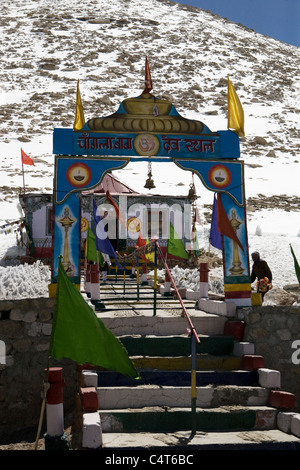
<point>47,45</point>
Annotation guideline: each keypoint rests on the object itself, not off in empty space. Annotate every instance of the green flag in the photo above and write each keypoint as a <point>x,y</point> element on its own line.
<point>91,252</point>
<point>297,267</point>
<point>175,245</point>
<point>78,334</point>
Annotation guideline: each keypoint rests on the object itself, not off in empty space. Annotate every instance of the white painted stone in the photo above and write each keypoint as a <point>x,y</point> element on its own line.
<point>295,425</point>
<point>269,378</point>
<point>203,292</point>
<point>166,288</point>
<point>192,295</point>
<point>95,291</point>
<point>88,287</point>
<point>91,431</point>
<point>217,306</point>
<point>284,420</point>
<point>90,378</point>
<point>55,419</point>
<point>241,347</point>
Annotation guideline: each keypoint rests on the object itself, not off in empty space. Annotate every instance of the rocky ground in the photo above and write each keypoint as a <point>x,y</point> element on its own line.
<point>28,441</point>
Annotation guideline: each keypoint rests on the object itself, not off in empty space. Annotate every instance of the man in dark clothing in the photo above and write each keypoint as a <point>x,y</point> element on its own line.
<point>261,271</point>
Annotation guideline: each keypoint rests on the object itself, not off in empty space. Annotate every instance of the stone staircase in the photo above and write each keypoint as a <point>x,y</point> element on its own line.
<point>239,403</point>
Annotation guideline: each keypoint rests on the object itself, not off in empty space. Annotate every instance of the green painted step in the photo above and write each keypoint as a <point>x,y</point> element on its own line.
<point>203,362</point>
<point>159,419</point>
<point>179,345</point>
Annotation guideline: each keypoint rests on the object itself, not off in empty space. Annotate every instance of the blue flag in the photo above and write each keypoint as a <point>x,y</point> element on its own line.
<point>102,241</point>
<point>215,237</point>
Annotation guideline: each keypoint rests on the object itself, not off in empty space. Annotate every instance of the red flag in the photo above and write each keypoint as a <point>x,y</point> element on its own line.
<point>224,224</point>
<point>25,159</point>
<point>141,242</point>
<point>148,80</point>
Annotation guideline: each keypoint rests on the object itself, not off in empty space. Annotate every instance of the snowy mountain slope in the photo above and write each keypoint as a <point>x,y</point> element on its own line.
<point>47,45</point>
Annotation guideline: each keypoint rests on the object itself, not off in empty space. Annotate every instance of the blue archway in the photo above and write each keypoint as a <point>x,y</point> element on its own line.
<point>149,129</point>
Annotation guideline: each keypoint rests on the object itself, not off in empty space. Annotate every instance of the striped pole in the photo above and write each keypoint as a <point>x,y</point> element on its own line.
<point>55,438</point>
<point>95,287</point>
<point>203,279</point>
<point>167,286</point>
<point>88,280</point>
<point>95,280</point>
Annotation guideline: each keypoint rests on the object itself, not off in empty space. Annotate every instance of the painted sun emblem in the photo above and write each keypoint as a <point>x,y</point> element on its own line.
<point>79,175</point>
<point>134,224</point>
<point>219,176</point>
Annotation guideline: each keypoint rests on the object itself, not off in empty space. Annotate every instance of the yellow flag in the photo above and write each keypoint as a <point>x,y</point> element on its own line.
<point>235,112</point>
<point>150,256</point>
<point>79,121</point>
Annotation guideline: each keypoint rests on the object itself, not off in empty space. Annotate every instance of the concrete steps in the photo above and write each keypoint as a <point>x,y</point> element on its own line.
<point>234,405</point>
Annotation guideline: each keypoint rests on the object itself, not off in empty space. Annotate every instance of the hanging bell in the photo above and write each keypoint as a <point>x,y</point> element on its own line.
<point>149,182</point>
<point>192,192</point>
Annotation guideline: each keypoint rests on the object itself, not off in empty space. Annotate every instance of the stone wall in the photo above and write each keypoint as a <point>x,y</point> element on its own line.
<point>25,328</point>
<point>275,332</point>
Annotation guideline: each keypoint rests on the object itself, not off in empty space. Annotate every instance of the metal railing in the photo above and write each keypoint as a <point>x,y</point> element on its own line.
<point>194,337</point>
<point>147,248</point>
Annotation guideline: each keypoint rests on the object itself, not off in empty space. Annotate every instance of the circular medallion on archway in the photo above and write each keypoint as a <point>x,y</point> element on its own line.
<point>79,175</point>
<point>219,176</point>
<point>146,144</point>
<point>84,224</point>
<point>134,224</point>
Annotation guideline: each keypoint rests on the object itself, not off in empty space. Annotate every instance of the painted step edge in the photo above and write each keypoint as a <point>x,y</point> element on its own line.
<point>170,396</point>
<point>158,419</point>
<point>180,378</point>
<point>182,440</point>
<point>184,363</point>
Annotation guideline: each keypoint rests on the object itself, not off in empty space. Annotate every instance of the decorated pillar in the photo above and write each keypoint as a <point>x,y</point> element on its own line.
<point>203,280</point>
<point>55,438</point>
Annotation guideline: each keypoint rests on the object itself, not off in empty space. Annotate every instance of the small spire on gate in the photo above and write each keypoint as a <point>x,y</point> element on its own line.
<point>148,80</point>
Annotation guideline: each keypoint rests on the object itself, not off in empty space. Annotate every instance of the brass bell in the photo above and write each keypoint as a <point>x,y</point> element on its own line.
<point>192,192</point>
<point>149,182</point>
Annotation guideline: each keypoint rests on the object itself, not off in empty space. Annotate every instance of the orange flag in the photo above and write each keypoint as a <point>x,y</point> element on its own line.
<point>118,213</point>
<point>25,159</point>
